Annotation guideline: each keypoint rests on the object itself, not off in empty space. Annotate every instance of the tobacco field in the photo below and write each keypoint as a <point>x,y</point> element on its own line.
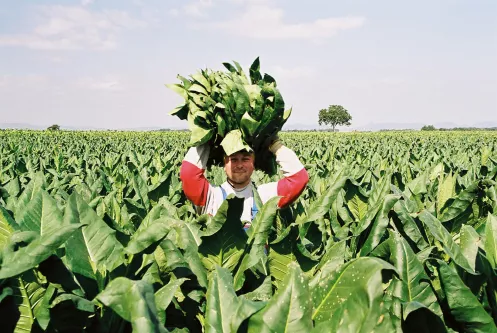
<point>395,232</point>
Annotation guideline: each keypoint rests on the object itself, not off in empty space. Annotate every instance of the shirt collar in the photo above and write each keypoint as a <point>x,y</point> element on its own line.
<point>238,190</point>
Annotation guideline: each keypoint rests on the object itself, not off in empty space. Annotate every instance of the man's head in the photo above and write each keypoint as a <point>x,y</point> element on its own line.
<point>239,168</point>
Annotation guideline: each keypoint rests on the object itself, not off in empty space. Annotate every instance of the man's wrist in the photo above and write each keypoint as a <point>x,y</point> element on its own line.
<point>275,146</point>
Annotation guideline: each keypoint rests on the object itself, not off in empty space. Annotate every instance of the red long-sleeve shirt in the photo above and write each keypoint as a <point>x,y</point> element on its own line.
<point>208,198</point>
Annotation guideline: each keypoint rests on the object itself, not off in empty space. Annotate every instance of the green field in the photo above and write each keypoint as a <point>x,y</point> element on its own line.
<point>396,231</point>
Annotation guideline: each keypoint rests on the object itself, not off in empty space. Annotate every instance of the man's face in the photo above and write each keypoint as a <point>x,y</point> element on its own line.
<point>239,167</point>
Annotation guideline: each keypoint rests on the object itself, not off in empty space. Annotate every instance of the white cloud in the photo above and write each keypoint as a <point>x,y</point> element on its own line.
<point>195,9</point>
<point>376,82</point>
<point>391,81</point>
<point>57,59</point>
<point>54,85</point>
<point>198,8</point>
<point>260,19</point>
<point>266,22</point>
<point>298,72</point>
<point>73,27</point>
<point>22,81</point>
<point>107,83</point>
<point>86,2</point>
<point>174,12</point>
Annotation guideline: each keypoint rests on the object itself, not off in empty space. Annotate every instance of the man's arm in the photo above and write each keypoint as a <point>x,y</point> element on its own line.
<point>295,177</point>
<point>195,185</point>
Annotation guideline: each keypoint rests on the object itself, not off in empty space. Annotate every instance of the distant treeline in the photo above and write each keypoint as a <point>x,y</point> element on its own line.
<point>431,128</point>
<point>468,129</point>
<point>171,130</point>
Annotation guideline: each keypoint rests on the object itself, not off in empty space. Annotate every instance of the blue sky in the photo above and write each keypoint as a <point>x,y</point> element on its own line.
<point>104,63</point>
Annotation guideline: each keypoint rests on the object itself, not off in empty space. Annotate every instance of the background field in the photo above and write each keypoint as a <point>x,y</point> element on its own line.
<point>421,207</point>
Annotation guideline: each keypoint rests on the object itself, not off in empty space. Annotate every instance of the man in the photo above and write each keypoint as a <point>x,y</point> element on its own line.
<point>239,168</point>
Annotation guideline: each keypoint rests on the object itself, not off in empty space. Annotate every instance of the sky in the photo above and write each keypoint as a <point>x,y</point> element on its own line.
<point>105,63</point>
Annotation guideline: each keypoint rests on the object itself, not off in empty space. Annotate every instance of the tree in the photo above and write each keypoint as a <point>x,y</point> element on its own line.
<point>428,128</point>
<point>334,115</point>
<point>54,128</point>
